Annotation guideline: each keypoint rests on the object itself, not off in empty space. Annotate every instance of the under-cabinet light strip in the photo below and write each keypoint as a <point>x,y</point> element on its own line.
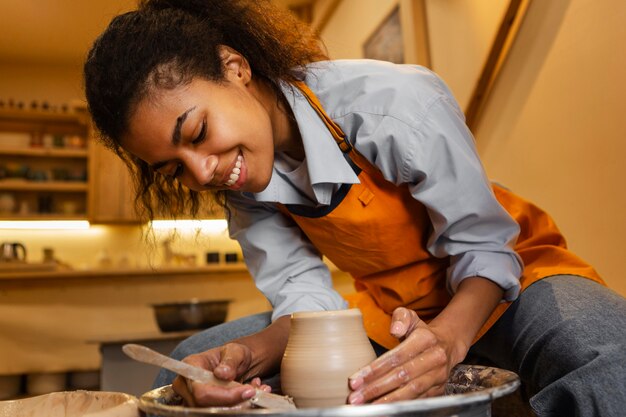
<point>211,225</point>
<point>45,224</point>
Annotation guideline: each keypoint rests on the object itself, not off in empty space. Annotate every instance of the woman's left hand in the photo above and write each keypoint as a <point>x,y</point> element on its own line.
<point>418,367</point>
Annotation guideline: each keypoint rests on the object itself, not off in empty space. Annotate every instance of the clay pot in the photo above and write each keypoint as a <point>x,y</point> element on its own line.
<point>323,350</point>
<point>73,404</point>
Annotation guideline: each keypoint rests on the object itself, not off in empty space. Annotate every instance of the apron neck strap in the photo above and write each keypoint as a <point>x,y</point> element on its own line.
<point>335,130</point>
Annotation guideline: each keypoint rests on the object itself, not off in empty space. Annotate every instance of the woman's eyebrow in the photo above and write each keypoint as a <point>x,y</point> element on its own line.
<point>179,123</point>
<point>176,135</point>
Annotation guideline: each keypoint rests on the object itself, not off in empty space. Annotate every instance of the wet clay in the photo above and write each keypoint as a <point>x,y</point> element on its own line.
<point>72,404</point>
<point>323,350</point>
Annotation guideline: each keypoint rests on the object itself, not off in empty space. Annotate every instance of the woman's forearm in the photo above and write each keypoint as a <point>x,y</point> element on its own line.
<point>462,318</point>
<point>267,346</point>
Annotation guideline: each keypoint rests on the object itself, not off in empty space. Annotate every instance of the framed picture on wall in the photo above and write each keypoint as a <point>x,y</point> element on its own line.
<point>386,43</point>
<point>402,36</point>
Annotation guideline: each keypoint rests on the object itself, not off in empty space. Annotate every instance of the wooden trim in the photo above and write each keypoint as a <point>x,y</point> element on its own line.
<point>46,152</point>
<point>414,23</point>
<point>323,10</point>
<point>18,184</point>
<point>207,271</point>
<point>502,43</point>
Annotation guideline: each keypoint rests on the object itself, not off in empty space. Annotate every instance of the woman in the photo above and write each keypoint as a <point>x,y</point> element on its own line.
<point>369,164</point>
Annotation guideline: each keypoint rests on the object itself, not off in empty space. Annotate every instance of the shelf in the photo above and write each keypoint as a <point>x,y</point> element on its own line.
<point>40,180</point>
<point>51,186</point>
<point>43,116</point>
<point>205,271</point>
<point>43,216</point>
<point>46,152</point>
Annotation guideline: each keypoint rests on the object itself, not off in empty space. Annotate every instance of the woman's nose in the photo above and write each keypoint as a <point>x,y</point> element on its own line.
<point>202,168</point>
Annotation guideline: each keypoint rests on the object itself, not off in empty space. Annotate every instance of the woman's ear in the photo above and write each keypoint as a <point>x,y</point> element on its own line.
<point>235,64</point>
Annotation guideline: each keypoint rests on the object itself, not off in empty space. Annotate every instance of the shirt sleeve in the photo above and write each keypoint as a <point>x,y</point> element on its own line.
<point>433,152</point>
<point>285,265</point>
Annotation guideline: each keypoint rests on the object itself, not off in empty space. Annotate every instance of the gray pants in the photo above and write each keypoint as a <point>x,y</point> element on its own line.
<point>564,336</point>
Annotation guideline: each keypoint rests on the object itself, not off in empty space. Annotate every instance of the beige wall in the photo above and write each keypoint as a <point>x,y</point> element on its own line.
<point>553,130</point>
<point>464,27</point>
<point>461,33</point>
<point>56,84</point>
<point>351,24</point>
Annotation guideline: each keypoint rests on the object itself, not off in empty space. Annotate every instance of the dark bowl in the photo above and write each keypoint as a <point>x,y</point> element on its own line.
<point>190,315</point>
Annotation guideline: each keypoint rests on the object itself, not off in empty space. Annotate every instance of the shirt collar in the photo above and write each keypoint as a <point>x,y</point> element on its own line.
<point>322,153</point>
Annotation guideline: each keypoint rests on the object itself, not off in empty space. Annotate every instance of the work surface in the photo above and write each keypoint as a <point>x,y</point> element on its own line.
<point>49,319</point>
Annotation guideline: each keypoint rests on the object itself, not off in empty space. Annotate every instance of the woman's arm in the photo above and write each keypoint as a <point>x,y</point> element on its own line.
<point>420,365</point>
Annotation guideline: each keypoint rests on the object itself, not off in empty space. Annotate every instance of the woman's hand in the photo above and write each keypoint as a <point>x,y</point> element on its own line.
<point>228,363</point>
<point>417,368</point>
<point>244,360</point>
<point>420,365</point>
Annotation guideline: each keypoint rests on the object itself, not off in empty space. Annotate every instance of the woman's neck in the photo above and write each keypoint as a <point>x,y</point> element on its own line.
<point>286,133</point>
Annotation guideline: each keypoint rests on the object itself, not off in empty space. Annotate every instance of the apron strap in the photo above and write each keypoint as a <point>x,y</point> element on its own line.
<point>334,129</point>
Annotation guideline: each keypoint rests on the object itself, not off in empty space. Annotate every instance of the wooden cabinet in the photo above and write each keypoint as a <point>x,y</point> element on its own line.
<point>44,165</point>
<point>112,199</point>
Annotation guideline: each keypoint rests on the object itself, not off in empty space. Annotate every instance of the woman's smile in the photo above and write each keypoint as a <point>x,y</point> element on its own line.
<point>237,176</point>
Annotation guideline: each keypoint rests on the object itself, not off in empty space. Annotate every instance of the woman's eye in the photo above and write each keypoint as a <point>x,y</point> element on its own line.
<point>202,135</point>
<point>177,171</point>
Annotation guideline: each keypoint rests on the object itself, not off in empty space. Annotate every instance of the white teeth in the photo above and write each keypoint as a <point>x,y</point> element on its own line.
<point>234,176</point>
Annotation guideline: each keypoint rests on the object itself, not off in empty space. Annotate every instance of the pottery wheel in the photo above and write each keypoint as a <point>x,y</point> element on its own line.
<point>469,393</point>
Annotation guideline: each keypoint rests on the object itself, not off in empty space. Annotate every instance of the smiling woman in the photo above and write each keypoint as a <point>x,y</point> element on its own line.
<point>170,72</point>
<point>211,136</point>
<point>311,155</point>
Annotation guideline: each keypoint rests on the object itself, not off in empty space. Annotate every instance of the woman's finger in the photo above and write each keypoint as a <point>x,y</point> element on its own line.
<point>435,391</point>
<point>405,393</point>
<point>181,387</point>
<point>418,341</point>
<point>403,322</point>
<point>206,395</point>
<point>407,380</point>
<point>233,362</point>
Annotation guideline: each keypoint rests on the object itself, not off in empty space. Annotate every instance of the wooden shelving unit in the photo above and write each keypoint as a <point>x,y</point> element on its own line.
<point>44,165</point>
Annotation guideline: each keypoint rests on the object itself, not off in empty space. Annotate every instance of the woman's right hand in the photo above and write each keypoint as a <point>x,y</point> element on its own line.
<point>244,360</point>
<point>228,363</point>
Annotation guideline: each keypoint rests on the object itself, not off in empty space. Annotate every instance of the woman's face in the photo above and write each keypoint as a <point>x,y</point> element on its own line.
<point>209,136</point>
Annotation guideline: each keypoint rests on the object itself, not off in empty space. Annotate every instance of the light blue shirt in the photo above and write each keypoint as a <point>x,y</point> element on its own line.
<point>405,121</point>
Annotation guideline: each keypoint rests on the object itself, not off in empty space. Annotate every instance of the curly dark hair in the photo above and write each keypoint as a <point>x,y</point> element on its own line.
<point>165,44</point>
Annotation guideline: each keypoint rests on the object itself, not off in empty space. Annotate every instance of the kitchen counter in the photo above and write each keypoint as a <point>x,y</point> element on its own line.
<point>50,319</point>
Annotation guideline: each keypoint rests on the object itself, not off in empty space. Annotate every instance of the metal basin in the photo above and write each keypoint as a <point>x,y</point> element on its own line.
<point>190,315</point>
<point>469,393</point>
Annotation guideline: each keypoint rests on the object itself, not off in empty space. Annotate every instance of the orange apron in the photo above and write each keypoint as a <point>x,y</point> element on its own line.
<point>377,232</point>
